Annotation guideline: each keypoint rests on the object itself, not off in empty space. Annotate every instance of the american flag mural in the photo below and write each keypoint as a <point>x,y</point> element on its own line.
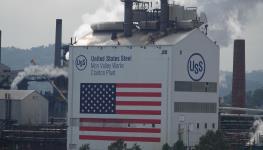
<point>134,110</point>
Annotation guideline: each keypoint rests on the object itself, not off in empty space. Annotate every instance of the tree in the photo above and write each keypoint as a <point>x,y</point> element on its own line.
<point>166,146</point>
<point>84,147</point>
<point>135,147</point>
<point>212,141</point>
<point>179,145</point>
<point>118,145</point>
<point>121,145</point>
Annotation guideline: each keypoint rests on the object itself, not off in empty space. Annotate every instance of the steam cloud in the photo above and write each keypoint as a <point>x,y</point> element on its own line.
<point>258,127</point>
<point>48,71</point>
<point>222,79</point>
<point>226,18</point>
<point>110,10</point>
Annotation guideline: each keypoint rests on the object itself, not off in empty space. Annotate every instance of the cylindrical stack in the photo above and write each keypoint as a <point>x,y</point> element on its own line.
<point>164,18</point>
<point>128,18</point>
<point>58,43</point>
<point>239,80</point>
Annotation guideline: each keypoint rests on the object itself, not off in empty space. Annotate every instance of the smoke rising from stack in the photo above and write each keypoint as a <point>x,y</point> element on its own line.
<point>226,18</point>
<point>48,71</point>
<point>110,10</point>
<point>258,128</point>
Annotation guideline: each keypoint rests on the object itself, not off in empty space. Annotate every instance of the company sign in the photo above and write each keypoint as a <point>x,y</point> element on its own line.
<point>81,62</point>
<point>196,67</point>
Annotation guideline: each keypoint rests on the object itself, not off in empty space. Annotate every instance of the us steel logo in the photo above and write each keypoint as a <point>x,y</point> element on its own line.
<point>196,67</point>
<point>81,62</point>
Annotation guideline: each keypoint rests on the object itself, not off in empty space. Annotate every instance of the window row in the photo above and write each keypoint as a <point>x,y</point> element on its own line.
<point>192,107</point>
<point>188,86</point>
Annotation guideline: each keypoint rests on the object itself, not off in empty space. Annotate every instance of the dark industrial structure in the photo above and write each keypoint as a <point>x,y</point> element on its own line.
<point>239,80</point>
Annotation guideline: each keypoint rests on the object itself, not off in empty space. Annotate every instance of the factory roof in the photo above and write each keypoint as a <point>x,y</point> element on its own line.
<point>138,38</point>
<point>15,94</point>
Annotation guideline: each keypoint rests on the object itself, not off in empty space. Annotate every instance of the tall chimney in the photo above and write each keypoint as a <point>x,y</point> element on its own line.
<point>58,43</point>
<point>128,17</point>
<point>164,18</point>
<point>0,46</point>
<point>239,79</point>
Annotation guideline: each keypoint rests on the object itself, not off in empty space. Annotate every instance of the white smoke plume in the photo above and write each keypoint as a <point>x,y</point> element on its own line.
<point>227,18</point>
<point>222,79</point>
<point>110,10</point>
<point>258,128</point>
<point>48,71</point>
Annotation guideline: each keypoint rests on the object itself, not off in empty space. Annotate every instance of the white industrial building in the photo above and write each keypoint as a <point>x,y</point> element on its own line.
<point>27,107</point>
<point>141,86</point>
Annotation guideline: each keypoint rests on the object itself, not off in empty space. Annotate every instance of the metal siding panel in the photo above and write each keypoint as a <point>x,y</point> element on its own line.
<point>148,65</point>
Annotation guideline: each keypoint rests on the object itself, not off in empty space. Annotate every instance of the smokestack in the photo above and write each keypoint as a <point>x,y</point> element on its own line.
<point>58,43</point>
<point>128,17</point>
<point>239,80</point>
<point>164,18</point>
<point>0,46</point>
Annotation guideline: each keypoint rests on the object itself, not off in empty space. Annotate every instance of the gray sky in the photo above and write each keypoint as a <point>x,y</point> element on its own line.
<point>29,23</point>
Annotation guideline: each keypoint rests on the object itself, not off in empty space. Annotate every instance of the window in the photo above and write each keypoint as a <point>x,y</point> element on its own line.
<point>205,125</point>
<point>192,107</point>
<point>197,125</point>
<point>153,125</point>
<point>213,125</point>
<point>187,86</point>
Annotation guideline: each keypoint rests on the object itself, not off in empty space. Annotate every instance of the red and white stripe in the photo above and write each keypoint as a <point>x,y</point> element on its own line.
<point>138,116</point>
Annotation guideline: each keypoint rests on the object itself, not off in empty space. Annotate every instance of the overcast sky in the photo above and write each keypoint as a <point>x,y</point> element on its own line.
<point>30,23</point>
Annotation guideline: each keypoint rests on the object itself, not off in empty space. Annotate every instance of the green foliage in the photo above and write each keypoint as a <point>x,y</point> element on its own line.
<point>212,141</point>
<point>135,147</point>
<point>121,145</point>
<point>179,145</point>
<point>84,147</point>
<point>166,146</point>
<point>118,145</point>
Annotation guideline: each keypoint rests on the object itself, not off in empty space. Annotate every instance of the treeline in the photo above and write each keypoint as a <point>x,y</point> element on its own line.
<point>254,99</point>
<point>210,141</point>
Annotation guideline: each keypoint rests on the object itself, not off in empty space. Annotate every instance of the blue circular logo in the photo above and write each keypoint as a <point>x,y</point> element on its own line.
<point>196,67</point>
<point>81,62</point>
